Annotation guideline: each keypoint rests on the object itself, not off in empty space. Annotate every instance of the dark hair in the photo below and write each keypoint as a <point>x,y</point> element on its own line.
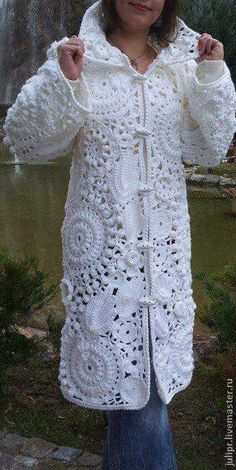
<point>162,32</point>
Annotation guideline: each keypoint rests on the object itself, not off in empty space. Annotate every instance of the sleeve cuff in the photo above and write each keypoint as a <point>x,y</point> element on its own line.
<point>52,51</point>
<point>209,71</point>
<point>78,87</point>
<point>79,91</point>
<point>74,83</point>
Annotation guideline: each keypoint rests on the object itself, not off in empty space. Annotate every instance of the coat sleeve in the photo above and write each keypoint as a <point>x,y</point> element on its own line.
<point>47,114</point>
<point>209,122</point>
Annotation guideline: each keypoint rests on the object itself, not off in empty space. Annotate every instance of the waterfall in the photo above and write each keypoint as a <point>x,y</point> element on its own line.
<point>63,5</point>
<point>7,34</point>
<point>27,27</point>
<point>33,26</point>
<point>36,28</point>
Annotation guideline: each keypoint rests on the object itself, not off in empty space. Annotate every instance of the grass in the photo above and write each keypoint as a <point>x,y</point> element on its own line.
<point>224,169</point>
<point>199,417</point>
<point>35,407</point>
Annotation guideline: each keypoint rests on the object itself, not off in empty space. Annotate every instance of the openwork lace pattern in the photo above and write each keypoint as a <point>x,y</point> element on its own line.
<point>126,234</point>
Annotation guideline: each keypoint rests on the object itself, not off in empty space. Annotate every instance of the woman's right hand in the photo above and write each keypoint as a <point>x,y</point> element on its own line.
<point>71,57</point>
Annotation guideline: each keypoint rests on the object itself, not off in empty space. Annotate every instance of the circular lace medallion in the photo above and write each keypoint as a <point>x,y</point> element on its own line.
<point>130,260</point>
<point>83,238</point>
<point>90,366</point>
<point>132,257</point>
<point>161,224</point>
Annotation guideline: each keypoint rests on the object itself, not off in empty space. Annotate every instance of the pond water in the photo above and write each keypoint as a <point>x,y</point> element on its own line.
<point>32,211</point>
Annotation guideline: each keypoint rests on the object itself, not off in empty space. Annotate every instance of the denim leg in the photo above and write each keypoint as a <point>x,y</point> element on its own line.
<point>140,439</point>
<point>105,455</point>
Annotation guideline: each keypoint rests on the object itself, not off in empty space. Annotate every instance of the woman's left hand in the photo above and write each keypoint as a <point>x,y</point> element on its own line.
<point>210,48</point>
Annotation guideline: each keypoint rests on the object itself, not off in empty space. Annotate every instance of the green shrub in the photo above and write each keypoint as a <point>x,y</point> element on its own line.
<point>216,17</point>
<point>54,331</point>
<point>22,292</point>
<point>221,314</point>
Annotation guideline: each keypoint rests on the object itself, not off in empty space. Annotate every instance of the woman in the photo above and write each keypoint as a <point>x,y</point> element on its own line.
<point>133,103</point>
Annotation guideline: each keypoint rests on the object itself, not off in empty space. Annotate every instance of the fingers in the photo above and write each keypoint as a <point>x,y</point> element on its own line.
<point>74,46</point>
<point>72,49</point>
<point>76,41</point>
<point>205,43</point>
<point>210,48</point>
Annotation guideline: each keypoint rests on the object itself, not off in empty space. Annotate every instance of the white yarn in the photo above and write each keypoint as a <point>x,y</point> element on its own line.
<point>126,235</point>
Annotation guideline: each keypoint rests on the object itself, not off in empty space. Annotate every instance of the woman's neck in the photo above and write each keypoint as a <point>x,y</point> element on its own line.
<point>133,44</point>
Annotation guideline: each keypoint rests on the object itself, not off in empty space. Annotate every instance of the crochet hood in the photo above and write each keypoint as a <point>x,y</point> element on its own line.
<point>183,48</point>
<point>98,49</point>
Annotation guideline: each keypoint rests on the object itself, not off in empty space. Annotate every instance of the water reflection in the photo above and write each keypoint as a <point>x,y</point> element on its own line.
<point>31,214</point>
<point>32,211</point>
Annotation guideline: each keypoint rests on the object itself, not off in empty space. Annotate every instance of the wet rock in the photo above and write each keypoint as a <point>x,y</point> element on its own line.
<point>204,179</point>
<point>227,181</point>
<point>66,454</point>
<point>88,459</point>
<point>38,448</point>
<point>211,179</point>
<point>23,462</point>
<point>6,461</point>
<point>195,179</point>
<point>52,464</point>
<point>12,443</point>
<point>20,453</point>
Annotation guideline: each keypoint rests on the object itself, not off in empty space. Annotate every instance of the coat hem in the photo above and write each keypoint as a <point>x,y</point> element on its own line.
<point>169,397</point>
<point>165,399</point>
<point>84,404</point>
<point>147,356</point>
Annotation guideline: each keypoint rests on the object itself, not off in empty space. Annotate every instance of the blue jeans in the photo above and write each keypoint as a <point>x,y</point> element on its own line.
<point>140,439</point>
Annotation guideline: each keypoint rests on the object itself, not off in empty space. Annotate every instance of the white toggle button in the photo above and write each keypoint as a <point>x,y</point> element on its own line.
<point>145,188</point>
<point>141,130</point>
<point>139,77</point>
<point>147,300</point>
<point>123,145</point>
<point>145,244</point>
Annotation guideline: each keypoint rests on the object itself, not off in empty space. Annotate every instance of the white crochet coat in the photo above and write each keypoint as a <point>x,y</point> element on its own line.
<point>126,234</point>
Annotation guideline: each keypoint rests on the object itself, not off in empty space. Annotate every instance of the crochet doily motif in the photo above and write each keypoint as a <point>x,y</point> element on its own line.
<point>133,161</point>
<point>126,236</point>
<point>83,236</point>
<point>87,365</point>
